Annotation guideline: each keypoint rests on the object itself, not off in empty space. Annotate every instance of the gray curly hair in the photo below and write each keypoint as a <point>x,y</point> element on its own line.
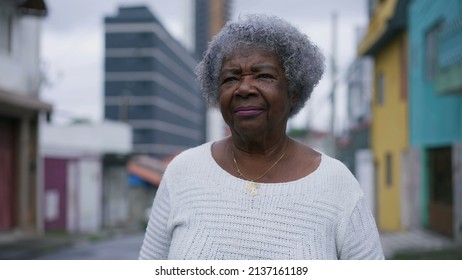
<point>301,59</point>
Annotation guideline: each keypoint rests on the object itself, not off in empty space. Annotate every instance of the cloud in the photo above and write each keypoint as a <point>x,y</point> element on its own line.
<point>73,70</point>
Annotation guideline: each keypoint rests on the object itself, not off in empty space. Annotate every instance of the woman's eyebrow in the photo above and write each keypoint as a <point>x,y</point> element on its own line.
<point>230,70</point>
<point>258,68</point>
<point>255,68</point>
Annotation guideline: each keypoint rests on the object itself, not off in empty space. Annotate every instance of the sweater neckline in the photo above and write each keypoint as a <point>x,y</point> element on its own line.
<point>238,179</point>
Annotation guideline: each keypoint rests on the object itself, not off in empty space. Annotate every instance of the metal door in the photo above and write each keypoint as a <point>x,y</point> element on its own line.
<point>55,193</point>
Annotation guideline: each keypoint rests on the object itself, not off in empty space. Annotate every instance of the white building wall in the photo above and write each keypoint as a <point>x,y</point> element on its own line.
<point>20,68</point>
<point>364,166</point>
<point>90,196</point>
<point>115,194</point>
<point>105,137</point>
<point>72,197</point>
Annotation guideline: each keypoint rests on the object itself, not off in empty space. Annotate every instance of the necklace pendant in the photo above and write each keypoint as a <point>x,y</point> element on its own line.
<point>252,187</point>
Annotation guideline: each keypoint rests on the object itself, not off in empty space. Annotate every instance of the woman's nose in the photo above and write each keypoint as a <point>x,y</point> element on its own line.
<point>245,85</point>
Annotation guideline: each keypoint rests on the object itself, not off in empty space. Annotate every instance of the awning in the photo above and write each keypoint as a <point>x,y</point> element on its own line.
<point>18,101</point>
<point>147,168</point>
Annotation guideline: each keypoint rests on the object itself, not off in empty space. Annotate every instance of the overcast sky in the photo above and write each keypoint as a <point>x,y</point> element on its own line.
<point>73,42</point>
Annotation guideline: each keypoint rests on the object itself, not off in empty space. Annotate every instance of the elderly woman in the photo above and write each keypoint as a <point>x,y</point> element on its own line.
<point>258,194</point>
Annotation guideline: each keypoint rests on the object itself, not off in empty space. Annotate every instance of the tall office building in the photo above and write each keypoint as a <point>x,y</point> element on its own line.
<point>210,16</point>
<point>150,84</point>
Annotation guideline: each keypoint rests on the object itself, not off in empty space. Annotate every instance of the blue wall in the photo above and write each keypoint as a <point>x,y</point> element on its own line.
<point>435,119</point>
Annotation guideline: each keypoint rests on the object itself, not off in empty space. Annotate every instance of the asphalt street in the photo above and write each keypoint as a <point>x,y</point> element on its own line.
<point>122,247</point>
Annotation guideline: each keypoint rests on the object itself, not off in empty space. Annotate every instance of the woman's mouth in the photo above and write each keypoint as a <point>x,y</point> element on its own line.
<point>248,111</point>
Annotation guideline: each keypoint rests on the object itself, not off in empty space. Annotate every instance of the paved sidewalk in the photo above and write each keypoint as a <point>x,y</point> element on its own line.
<point>29,247</point>
<point>414,240</point>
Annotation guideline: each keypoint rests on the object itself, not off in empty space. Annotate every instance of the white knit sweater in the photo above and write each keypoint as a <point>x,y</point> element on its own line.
<point>202,212</point>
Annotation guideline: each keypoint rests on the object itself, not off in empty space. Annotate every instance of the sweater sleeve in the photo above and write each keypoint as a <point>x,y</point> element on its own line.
<point>361,241</point>
<point>156,242</point>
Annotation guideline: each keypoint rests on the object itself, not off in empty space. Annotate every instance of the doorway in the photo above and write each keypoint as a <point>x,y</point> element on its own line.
<point>440,190</point>
<point>7,174</point>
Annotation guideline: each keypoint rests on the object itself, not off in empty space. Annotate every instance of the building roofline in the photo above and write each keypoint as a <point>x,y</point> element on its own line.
<point>392,27</point>
<point>32,7</point>
<point>26,102</point>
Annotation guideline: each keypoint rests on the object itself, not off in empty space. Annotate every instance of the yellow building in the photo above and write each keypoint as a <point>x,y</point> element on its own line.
<point>386,42</point>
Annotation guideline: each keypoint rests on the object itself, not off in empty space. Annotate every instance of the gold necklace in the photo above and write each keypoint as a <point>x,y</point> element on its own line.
<point>253,186</point>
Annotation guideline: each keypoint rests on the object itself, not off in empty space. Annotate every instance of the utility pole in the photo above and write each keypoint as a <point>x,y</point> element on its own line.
<point>334,83</point>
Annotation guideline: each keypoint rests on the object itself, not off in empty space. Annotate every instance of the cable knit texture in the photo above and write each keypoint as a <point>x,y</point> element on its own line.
<point>202,212</point>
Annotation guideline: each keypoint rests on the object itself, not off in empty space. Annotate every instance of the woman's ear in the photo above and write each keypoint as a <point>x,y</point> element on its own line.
<point>294,99</point>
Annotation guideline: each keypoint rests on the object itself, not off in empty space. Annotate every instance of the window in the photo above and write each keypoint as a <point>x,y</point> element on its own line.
<point>6,23</point>
<point>142,136</point>
<point>389,169</point>
<point>431,51</point>
<point>380,90</point>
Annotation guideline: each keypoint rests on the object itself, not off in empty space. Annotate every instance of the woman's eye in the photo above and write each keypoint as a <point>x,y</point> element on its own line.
<point>265,76</point>
<point>229,79</point>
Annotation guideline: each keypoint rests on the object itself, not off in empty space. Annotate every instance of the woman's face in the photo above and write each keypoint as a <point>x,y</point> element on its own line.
<point>254,92</point>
